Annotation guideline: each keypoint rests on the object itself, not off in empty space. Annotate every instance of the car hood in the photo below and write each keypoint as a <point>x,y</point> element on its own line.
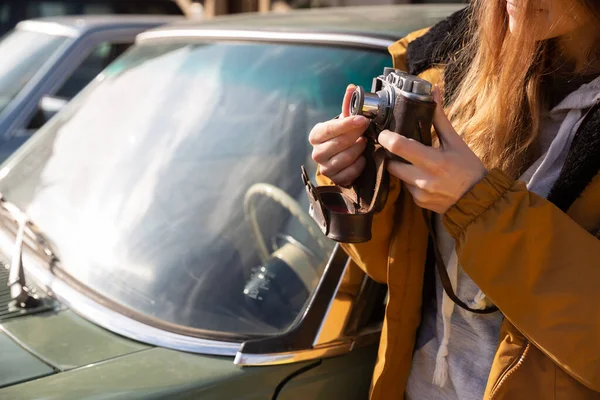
<point>19,365</point>
<point>32,346</point>
<point>60,355</point>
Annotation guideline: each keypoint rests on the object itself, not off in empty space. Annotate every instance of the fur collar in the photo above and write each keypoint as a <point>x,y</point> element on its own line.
<point>439,44</point>
<point>439,47</point>
<point>582,163</point>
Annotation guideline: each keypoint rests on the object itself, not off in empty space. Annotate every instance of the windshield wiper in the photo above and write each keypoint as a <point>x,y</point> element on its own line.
<point>20,293</point>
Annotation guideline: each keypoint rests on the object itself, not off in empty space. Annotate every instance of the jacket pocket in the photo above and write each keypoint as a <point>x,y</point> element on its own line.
<point>510,350</point>
<point>519,371</point>
<point>522,372</point>
<point>511,369</point>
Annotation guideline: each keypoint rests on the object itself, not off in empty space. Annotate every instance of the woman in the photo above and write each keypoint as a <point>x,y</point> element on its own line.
<point>517,197</point>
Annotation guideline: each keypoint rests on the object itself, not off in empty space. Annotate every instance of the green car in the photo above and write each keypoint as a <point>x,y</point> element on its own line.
<point>155,232</point>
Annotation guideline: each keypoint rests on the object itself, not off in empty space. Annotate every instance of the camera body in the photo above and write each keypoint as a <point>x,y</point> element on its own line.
<point>399,102</point>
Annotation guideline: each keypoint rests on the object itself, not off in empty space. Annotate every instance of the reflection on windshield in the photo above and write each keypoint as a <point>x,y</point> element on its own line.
<point>171,186</point>
<point>23,53</point>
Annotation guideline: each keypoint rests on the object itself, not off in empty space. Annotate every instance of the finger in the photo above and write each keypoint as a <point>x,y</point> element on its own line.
<point>426,200</point>
<point>418,195</point>
<point>325,131</point>
<point>441,123</point>
<point>346,102</point>
<point>410,174</point>
<point>344,159</point>
<point>323,152</point>
<point>409,149</point>
<point>349,174</point>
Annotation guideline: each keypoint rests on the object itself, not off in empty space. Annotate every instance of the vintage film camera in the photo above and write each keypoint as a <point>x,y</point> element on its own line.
<point>399,102</point>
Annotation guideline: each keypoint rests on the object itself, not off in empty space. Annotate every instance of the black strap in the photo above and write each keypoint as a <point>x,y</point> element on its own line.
<point>443,273</point>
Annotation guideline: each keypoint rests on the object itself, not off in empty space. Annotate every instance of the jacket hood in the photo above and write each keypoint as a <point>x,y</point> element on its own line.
<point>557,131</point>
<point>583,98</point>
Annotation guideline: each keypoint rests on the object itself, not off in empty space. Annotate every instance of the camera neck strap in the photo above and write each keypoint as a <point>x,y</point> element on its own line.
<point>443,273</point>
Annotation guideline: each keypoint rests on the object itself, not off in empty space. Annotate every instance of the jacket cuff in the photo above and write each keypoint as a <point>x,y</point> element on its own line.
<point>476,201</point>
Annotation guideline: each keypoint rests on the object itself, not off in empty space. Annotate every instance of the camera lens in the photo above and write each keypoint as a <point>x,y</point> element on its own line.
<point>357,101</point>
<point>367,104</point>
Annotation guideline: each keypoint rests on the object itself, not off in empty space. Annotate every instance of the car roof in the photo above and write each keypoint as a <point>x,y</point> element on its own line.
<point>78,25</point>
<point>390,22</point>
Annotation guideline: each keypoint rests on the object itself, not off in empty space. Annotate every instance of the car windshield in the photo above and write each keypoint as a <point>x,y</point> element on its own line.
<point>172,188</point>
<point>23,53</point>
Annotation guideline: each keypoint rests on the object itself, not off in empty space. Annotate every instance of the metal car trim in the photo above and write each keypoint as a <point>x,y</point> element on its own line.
<point>270,36</point>
<point>113,320</point>
<point>136,330</point>
<point>122,325</point>
<point>369,336</point>
<point>333,323</point>
<point>323,351</point>
<point>49,28</point>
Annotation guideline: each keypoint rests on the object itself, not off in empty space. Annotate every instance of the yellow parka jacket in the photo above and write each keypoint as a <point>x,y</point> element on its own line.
<point>538,264</point>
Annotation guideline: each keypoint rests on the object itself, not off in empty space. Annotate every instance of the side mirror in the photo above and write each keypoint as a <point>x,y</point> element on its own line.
<point>50,106</point>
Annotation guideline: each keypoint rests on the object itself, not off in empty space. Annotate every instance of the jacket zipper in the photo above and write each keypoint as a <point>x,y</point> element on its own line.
<point>509,371</point>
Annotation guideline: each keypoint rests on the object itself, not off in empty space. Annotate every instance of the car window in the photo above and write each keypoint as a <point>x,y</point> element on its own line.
<point>90,67</point>
<point>172,186</point>
<point>23,54</point>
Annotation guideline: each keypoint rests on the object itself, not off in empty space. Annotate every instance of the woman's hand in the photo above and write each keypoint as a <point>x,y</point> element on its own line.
<point>437,178</point>
<point>338,145</point>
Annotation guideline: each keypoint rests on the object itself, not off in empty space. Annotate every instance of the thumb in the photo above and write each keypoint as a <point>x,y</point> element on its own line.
<point>442,125</point>
<point>346,102</point>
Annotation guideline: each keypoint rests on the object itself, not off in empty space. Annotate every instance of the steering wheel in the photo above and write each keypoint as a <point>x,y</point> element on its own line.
<point>286,201</point>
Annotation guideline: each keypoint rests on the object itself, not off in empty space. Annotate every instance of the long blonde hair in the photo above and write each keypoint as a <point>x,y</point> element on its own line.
<point>497,106</point>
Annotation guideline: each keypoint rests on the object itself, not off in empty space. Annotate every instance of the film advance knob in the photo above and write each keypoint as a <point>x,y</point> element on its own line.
<point>421,87</point>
